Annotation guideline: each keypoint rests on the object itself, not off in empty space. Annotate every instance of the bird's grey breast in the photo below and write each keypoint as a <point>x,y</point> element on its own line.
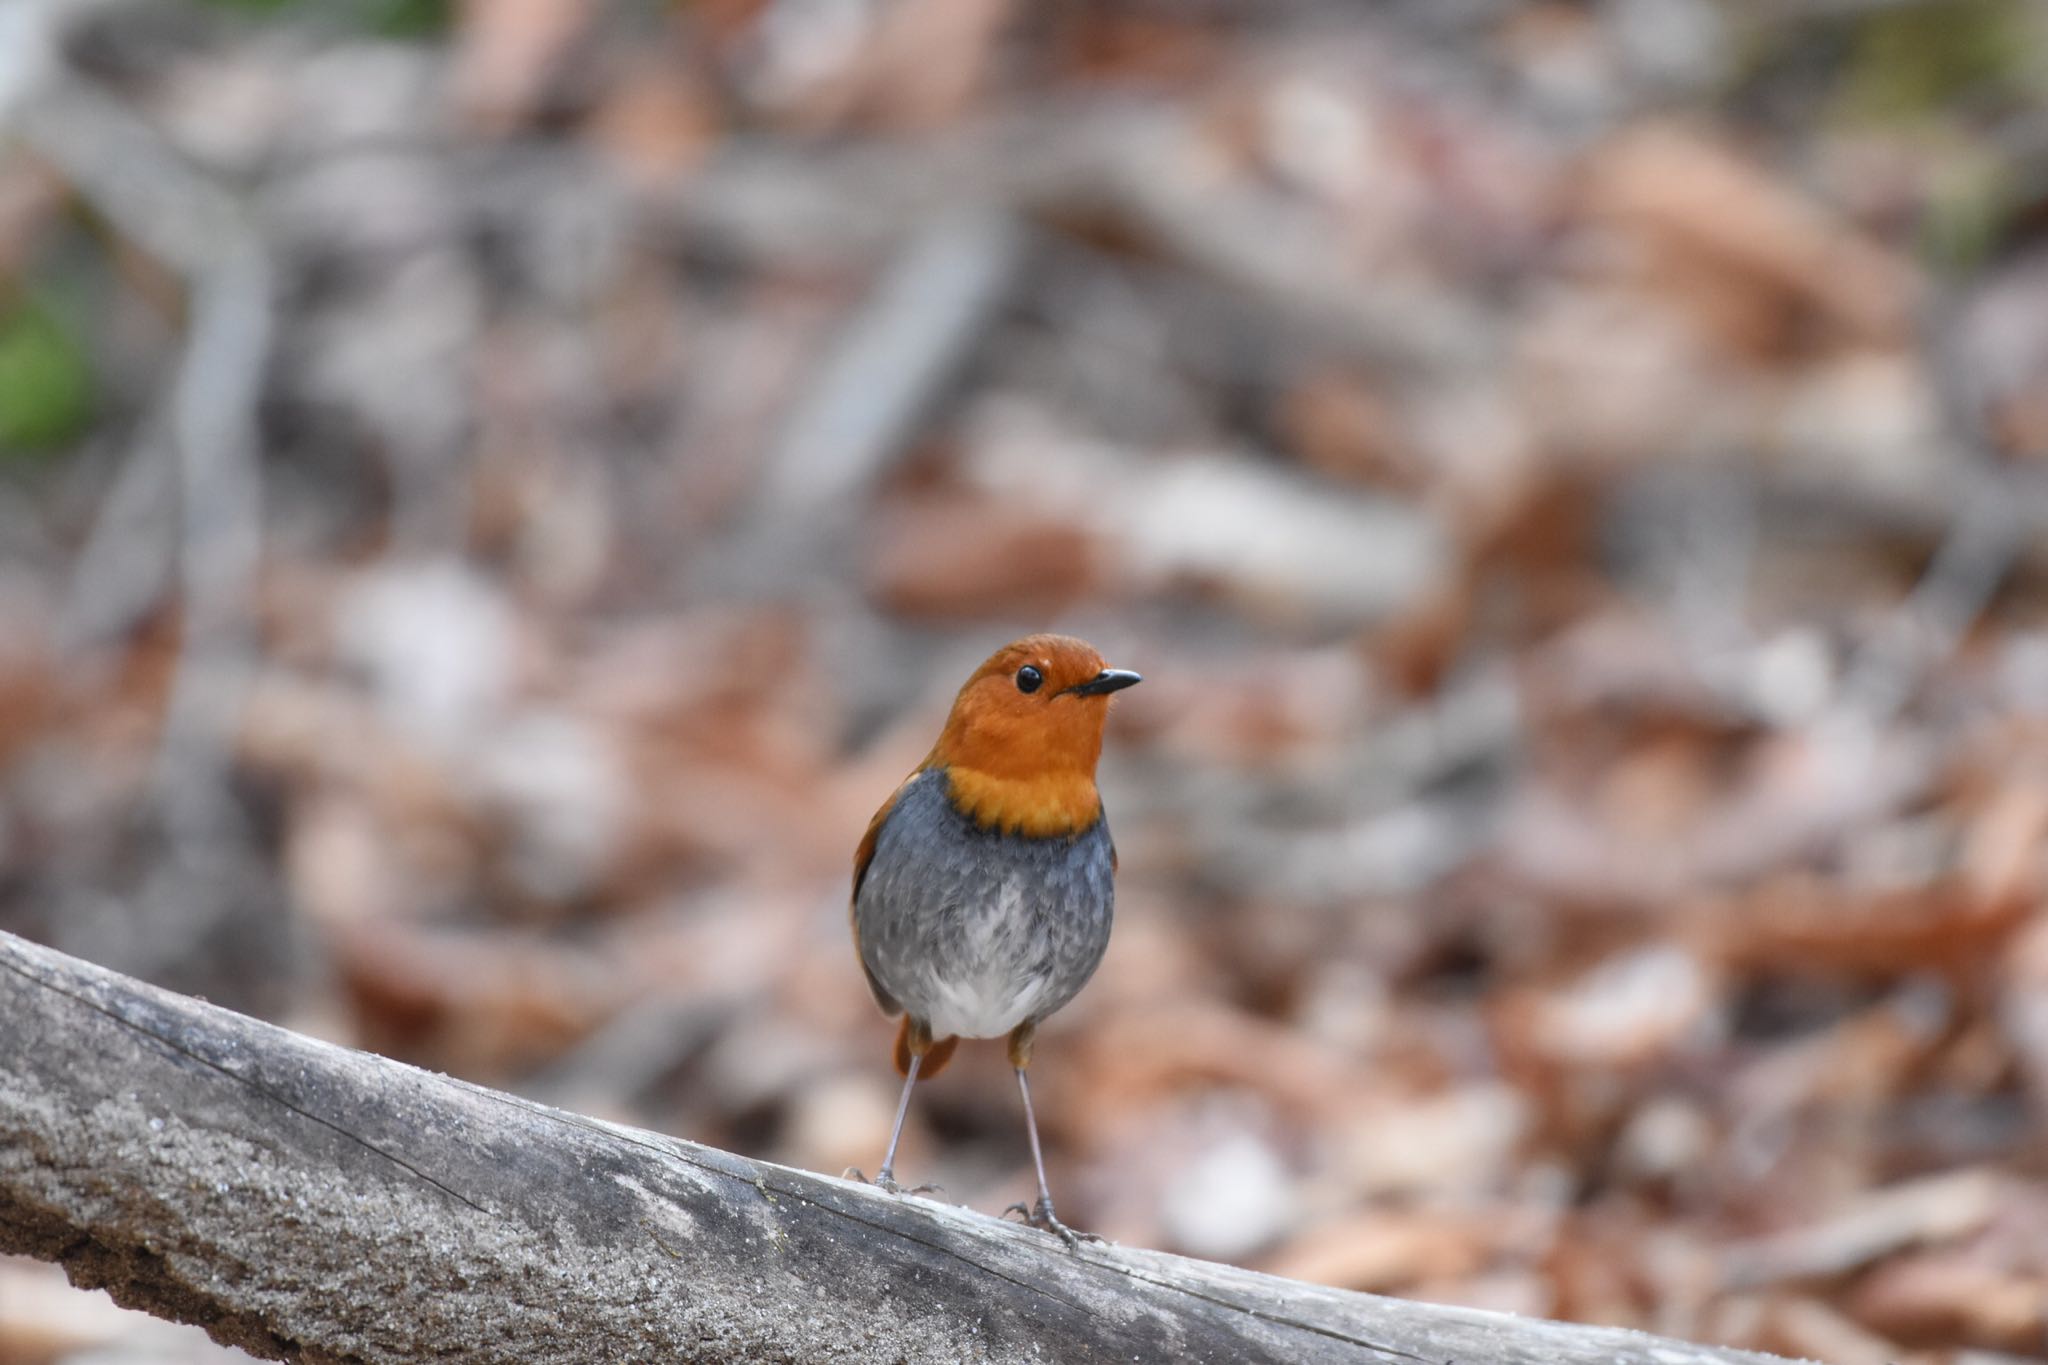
<point>976,931</point>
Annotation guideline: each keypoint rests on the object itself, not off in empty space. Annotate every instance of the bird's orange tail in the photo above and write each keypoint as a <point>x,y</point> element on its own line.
<point>935,1058</point>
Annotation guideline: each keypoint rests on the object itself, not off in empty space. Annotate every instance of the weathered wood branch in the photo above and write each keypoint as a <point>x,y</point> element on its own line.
<point>311,1203</point>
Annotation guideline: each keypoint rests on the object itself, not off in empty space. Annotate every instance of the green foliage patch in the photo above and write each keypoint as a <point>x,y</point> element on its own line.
<point>1920,59</point>
<point>385,18</point>
<point>46,382</point>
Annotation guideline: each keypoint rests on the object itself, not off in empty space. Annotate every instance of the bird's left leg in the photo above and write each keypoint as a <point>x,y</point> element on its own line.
<point>1040,1216</point>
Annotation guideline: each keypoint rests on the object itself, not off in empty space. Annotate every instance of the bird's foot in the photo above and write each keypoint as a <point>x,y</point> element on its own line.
<point>1041,1216</point>
<point>885,1180</point>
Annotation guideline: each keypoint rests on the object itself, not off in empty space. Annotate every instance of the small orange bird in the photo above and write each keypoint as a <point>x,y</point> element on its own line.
<point>983,888</point>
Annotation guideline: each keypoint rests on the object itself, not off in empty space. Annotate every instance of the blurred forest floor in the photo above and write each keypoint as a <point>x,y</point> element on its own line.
<point>493,496</point>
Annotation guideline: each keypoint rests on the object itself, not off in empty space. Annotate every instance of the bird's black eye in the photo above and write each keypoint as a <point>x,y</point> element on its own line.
<point>1029,679</point>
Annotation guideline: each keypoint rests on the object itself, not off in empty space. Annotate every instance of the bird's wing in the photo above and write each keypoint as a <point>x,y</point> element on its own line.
<point>865,853</point>
<point>862,856</point>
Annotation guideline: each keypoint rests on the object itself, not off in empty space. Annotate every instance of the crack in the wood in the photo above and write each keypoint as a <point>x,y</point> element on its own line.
<point>1275,1318</point>
<point>265,1092</point>
<point>942,1249</point>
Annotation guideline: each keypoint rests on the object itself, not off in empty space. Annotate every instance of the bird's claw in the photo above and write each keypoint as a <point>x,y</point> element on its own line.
<point>886,1182</point>
<point>1041,1216</point>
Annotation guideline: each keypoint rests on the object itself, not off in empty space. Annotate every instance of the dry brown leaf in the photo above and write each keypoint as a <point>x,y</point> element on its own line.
<point>1943,1298</point>
<point>2002,854</point>
<point>1133,1057</point>
<point>1807,1328</point>
<point>1344,428</point>
<point>1754,263</point>
<point>483,1005</point>
<point>1805,923</point>
<point>1877,1224</point>
<point>1384,1250</point>
<point>955,558</point>
<point>506,53</point>
<point>656,123</point>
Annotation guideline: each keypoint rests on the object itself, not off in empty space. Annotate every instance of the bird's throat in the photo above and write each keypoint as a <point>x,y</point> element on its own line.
<point>1041,806</point>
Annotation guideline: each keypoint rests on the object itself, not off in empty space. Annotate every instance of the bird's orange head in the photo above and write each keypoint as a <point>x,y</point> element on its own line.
<point>1020,746</point>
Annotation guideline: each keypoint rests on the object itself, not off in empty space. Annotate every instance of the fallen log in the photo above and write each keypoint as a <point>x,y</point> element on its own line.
<point>311,1203</point>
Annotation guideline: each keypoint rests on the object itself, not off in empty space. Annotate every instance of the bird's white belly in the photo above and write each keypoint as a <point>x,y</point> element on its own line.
<point>989,987</point>
<point>983,1007</point>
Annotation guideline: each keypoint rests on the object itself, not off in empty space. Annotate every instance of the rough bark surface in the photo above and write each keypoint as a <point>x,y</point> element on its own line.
<point>311,1203</point>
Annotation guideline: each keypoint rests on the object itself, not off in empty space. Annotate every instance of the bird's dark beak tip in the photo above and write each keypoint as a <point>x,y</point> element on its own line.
<point>1107,681</point>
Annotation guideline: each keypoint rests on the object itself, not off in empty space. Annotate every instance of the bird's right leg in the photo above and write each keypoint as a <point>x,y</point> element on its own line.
<point>913,1045</point>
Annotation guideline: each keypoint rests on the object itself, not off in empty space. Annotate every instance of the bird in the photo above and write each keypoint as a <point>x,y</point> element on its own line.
<point>984,887</point>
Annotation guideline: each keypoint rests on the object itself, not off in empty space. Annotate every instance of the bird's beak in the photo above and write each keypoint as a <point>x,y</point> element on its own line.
<point>1107,681</point>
